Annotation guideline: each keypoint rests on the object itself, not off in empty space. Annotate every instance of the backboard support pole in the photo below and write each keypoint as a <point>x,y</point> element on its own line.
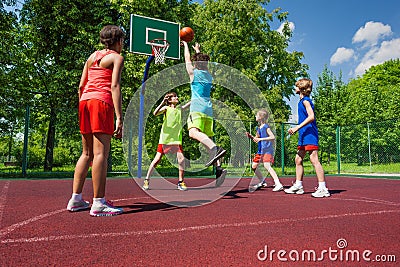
<point>141,115</point>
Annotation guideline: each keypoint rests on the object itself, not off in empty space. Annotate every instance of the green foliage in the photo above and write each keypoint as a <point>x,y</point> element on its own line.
<point>42,56</point>
<point>374,96</point>
<point>329,98</point>
<point>373,99</point>
<point>238,34</point>
<point>54,40</point>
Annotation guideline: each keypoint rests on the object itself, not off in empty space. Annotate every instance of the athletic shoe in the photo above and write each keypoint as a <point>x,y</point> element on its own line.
<point>220,177</point>
<point>321,193</point>
<point>218,172</point>
<point>259,185</point>
<point>295,190</point>
<point>146,184</point>
<point>216,154</point>
<point>106,209</point>
<point>77,205</point>
<point>256,186</point>
<point>277,188</point>
<point>182,186</point>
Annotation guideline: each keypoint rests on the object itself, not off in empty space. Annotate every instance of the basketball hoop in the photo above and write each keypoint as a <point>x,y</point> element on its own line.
<point>159,48</point>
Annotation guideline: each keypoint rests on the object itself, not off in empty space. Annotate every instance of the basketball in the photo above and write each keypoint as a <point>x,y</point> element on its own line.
<point>186,34</point>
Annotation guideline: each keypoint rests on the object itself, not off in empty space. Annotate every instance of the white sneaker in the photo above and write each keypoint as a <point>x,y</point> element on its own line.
<point>77,205</point>
<point>259,185</point>
<point>106,209</point>
<point>145,185</point>
<point>323,192</point>
<point>295,190</point>
<point>277,187</point>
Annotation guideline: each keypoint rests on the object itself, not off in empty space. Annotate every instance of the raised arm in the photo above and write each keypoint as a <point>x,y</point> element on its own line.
<point>188,61</point>
<point>185,106</point>
<point>160,108</point>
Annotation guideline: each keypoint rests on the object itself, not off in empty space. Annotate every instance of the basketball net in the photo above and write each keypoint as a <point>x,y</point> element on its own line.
<point>159,48</point>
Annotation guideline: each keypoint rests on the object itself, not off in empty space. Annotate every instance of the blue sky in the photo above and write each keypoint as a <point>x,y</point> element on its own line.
<point>346,35</point>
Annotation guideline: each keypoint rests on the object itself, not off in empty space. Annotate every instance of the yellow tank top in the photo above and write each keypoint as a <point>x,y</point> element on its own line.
<point>171,131</point>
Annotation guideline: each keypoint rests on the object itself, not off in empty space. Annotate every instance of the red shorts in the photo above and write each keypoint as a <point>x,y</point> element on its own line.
<point>96,116</point>
<point>307,147</point>
<point>169,149</point>
<point>260,158</point>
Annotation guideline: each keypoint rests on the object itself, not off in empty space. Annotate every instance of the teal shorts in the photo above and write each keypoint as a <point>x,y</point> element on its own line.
<point>202,122</point>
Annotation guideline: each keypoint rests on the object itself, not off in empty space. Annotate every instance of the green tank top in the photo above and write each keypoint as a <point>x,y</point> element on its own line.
<point>171,131</point>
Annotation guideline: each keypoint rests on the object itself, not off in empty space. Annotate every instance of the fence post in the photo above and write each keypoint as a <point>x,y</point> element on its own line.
<point>338,148</point>
<point>369,149</point>
<point>25,148</point>
<point>250,158</point>
<point>283,148</point>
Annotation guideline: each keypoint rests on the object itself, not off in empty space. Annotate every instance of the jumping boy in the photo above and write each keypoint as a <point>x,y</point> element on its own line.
<point>200,121</point>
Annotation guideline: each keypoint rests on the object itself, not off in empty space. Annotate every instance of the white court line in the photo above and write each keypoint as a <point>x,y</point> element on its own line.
<point>11,228</point>
<point>7,230</point>
<point>191,228</point>
<point>372,200</point>
<point>3,199</point>
<point>381,201</point>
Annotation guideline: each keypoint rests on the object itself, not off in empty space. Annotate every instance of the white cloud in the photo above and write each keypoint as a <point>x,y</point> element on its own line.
<point>341,55</point>
<point>291,27</point>
<point>371,33</point>
<point>388,50</point>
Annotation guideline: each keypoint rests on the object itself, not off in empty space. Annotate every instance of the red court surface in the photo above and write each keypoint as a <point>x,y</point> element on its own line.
<point>357,226</point>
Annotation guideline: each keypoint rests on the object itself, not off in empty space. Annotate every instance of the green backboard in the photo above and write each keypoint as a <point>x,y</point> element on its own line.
<point>144,29</point>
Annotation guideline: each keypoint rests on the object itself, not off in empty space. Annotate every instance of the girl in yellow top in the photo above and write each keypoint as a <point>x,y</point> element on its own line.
<point>170,137</point>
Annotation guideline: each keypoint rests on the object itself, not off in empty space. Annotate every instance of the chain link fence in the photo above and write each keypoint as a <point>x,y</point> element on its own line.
<point>369,148</point>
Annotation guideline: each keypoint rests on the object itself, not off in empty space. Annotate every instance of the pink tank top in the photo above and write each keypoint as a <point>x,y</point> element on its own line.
<point>99,81</point>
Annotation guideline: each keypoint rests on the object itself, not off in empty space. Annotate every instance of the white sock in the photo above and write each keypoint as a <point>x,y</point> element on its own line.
<point>99,201</point>
<point>298,183</point>
<point>76,197</point>
<point>321,185</point>
<point>277,182</point>
<point>208,143</point>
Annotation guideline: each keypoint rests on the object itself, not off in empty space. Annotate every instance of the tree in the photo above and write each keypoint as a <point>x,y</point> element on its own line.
<point>11,102</point>
<point>52,40</point>
<point>373,102</point>
<point>367,105</point>
<point>329,100</point>
<point>374,96</point>
<point>59,36</point>
<point>238,34</point>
